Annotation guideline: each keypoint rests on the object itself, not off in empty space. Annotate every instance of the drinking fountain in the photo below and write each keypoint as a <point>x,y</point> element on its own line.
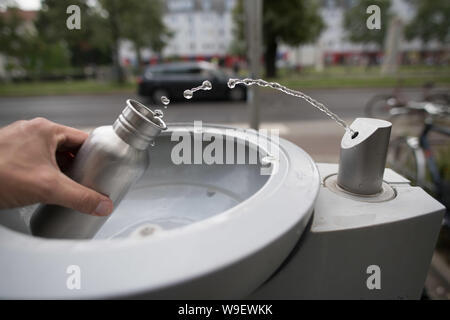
<point>188,231</point>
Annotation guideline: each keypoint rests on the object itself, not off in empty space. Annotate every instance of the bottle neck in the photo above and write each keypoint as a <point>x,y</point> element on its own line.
<point>131,135</point>
<point>137,125</point>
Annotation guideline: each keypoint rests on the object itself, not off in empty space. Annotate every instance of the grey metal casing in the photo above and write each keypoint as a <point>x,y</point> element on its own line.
<point>363,158</point>
<point>346,237</point>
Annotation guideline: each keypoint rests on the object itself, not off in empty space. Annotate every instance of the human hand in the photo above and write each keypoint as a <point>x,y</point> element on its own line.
<point>31,155</point>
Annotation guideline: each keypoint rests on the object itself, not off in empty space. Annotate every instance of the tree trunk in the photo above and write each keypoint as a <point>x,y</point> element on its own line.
<point>115,33</point>
<point>270,58</point>
<point>118,72</point>
<point>138,58</point>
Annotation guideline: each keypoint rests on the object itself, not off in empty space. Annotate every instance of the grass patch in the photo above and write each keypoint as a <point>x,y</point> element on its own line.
<point>63,88</point>
<point>360,82</point>
<point>308,77</point>
<point>362,77</point>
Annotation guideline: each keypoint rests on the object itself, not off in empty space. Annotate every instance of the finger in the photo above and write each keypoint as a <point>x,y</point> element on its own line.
<point>69,137</point>
<point>80,198</point>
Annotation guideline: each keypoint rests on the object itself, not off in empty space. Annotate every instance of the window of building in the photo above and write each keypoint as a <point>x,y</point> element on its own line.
<point>207,5</point>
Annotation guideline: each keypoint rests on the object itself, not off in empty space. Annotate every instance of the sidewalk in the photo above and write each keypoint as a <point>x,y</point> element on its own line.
<point>437,283</point>
<point>321,139</point>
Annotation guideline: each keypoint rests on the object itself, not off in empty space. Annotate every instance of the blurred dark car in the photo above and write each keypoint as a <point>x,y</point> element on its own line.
<point>171,79</point>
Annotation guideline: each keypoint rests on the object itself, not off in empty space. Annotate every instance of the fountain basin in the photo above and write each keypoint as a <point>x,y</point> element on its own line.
<point>183,231</point>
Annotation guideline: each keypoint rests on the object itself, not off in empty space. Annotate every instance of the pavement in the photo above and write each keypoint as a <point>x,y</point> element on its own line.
<point>437,283</point>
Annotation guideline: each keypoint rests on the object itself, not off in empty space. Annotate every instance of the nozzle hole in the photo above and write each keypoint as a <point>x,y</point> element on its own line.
<point>355,134</point>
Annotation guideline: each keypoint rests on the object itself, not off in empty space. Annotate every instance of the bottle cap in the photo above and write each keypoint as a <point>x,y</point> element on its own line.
<point>138,125</point>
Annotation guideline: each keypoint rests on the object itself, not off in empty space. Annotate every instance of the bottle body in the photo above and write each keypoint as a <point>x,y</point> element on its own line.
<point>105,163</point>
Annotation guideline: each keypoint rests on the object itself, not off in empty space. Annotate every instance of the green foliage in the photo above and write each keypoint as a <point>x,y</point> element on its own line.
<point>443,160</point>
<point>292,22</point>
<point>10,38</point>
<point>238,45</point>
<point>103,23</point>
<point>431,22</point>
<point>355,22</point>
<point>90,44</point>
<point>137,20</point>
<point>49,88</point>
<point>26,50</point>
<point>142,24</point>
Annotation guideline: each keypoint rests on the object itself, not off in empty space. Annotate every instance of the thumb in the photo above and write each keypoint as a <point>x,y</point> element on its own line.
<point>78,197</point>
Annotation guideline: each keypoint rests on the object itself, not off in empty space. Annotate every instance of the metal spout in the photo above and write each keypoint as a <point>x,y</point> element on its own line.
<point>363,156</point>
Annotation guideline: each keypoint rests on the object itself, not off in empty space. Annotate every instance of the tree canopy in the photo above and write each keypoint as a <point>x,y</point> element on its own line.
<point>103,24</point>
<point>431,21</point>
<point>90,44</point>
<point>25,50</point>
<point>292,22</point>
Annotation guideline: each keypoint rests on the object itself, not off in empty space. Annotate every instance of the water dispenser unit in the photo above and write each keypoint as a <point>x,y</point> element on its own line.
<point>312,230</point>
<point>372,234</point>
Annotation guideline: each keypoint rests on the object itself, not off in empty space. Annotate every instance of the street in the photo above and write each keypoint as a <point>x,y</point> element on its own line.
<point>95,110</point>
<point>297,121</point>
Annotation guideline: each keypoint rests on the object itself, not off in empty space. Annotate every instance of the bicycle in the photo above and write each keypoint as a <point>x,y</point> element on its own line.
<point>380,106</point>
<point>413,157</point>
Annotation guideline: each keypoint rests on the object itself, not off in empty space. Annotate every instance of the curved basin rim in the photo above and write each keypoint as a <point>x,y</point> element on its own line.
<point>227,219</point>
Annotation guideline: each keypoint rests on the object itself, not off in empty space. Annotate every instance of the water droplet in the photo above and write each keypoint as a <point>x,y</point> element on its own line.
<point>231,83</point>
<point>152,143</point>
<point>275,85</point>
<point>165,101</point>
<point>188,94</point>
<point>262,83</point>
<point>210,193</point>
<point>206,85</point>
<point>146,231</point>
<point>267,160</point>
<point>158,113</point>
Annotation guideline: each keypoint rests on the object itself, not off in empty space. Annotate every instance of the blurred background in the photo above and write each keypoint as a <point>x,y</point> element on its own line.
<point>145,49</point>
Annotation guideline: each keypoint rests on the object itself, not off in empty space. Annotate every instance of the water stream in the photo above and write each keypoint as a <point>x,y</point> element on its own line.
<point>262,83</point>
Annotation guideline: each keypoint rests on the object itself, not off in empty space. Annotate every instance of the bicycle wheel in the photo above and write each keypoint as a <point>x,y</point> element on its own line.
<point>402,159</point>
<point>378,107</point>
<point>442,98</point>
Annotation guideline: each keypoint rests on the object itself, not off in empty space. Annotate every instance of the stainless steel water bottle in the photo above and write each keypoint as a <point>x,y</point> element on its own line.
<point>110,161</point>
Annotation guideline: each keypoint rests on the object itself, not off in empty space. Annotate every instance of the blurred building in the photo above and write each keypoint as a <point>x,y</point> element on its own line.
<point>202,29</point>
<point>333,45</point>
